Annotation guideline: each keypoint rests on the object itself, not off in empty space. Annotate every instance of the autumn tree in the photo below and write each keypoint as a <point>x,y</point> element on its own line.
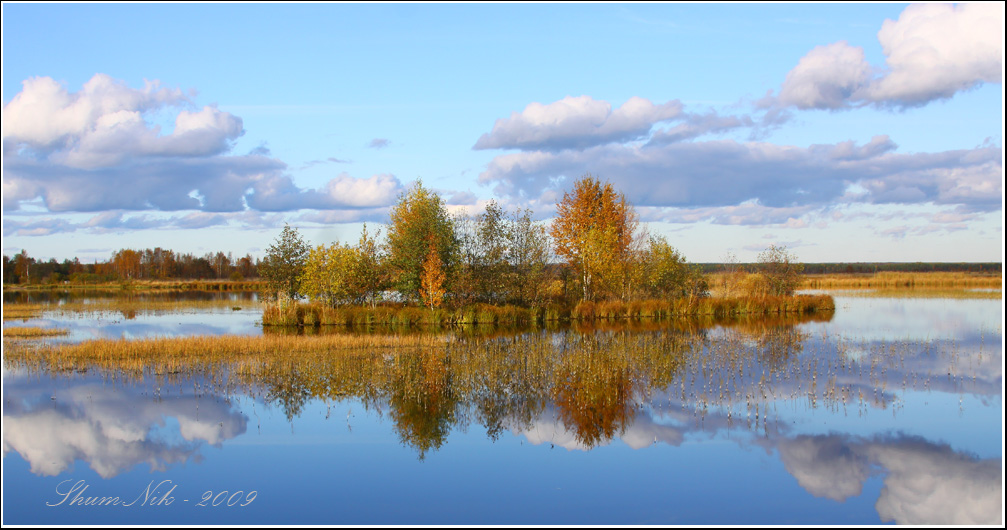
<point>127,263</point>
<point>246,266</point>
<point>432,280</point>
<point>483,248</point>
<point>284,263</point>
<point>221,263</point>
<point>780,270</point>
<point>528,255</point>
<point>417,221</point>
<point>22,267</point>
<point>371,275</point>
<point>665,272</point>
<point>595,232</point>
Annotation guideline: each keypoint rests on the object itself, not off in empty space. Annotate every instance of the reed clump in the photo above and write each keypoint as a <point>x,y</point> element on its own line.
<point>22,311</point>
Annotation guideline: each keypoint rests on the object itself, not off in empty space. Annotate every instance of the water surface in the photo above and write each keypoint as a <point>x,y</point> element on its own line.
<point>889,412</point>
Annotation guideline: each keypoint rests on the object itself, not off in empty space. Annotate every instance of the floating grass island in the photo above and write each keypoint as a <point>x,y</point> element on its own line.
<point>314,314</point>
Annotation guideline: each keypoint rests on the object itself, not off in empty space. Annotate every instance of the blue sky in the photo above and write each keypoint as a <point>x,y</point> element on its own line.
<point>848,132</point>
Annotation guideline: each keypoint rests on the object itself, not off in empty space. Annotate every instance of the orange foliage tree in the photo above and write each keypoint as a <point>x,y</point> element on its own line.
<point>595,232</point>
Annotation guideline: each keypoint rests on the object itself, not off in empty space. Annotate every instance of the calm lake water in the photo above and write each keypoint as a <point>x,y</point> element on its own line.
<point>890,411</point>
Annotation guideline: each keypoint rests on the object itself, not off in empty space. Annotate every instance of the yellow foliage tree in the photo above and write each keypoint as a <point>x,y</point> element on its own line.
<point>432,279</point>
<point>331,274</point>
<point>595,231</point>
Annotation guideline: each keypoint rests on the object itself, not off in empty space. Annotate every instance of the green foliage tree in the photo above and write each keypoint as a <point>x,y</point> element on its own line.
<point>492,233</point>
<point>284,263</point>
<point>482,273</point>
<point>528,255</point>
<point>780,270</point>
<point>665,271</point>
<point>418,220</point>
<point>371,275</point>
<point>330,274</point>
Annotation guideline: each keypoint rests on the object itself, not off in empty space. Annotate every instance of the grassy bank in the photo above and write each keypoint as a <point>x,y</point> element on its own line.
<point>312,315</point>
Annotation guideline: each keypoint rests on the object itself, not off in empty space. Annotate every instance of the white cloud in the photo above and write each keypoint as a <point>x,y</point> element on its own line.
<point>933,51</point>
<point>826,78</point>
<point>44,114</point>
<point>936,50</point>
<point>97,149</point>
<point>342,191</point>
<point>577,122</point>
<point>106,123</point>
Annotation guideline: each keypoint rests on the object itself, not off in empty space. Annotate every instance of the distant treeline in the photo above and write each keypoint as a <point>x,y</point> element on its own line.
<point>872,267</point>
<point>130,264</point>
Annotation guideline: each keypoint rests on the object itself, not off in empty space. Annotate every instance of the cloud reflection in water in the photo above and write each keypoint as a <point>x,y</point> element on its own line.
<point>110,429</point>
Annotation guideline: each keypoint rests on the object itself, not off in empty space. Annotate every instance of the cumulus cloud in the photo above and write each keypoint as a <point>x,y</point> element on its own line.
<point>826,78</point>
<point>104,123</point>
<point>45,115</point>
<point>97,149</point>
<point>729,173</point>
<point>933,51</point>
<point>343,191</point>
<point>577,122</point>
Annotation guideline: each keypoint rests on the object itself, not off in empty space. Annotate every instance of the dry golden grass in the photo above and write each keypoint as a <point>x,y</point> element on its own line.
<point>31,332</point>
<point>165,355</point>
<point>903,280</point>
<point>21,311</point>
<point>924,292</point>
